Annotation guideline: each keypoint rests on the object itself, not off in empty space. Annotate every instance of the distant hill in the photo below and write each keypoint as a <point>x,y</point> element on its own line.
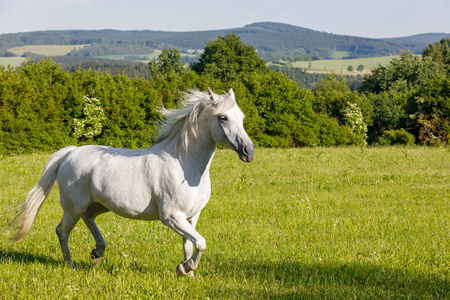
<point>420,40</point>
<point>271,40</point>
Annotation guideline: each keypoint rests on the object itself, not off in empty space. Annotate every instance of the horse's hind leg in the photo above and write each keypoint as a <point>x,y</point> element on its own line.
<point>89,219</point>
<point>63,230</point>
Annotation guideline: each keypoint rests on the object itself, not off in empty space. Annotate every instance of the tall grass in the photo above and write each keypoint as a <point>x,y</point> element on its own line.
<point>317,223</point>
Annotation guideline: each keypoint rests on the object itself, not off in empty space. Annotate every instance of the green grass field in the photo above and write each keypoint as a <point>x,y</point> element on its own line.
<point>49,50</point>
<point>57,50</point>
<point>316,223</point>
<point>339,66</point>
<point>11,61</point>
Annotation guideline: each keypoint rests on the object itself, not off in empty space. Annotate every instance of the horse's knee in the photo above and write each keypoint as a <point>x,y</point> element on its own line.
<point>201,245</point>
<point>59,232</point>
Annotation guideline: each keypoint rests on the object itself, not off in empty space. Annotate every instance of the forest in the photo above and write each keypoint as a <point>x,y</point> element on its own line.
<point>44,107</point>
<point>271,41</point>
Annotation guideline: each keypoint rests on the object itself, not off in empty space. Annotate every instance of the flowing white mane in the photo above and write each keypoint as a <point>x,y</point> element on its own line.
<point>181,124</point>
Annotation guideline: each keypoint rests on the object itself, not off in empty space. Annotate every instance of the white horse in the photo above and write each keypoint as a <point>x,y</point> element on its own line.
<point>168,181</point>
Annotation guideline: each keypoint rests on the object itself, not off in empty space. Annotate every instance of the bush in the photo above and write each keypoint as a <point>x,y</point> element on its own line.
<point>285,114</point>
<point>429,112</point>
<point>330,133</point>
<point>396,137</point>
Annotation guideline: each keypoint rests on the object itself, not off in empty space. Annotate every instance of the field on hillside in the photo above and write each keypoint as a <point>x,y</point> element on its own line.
<point>61,50</point>
<point>49,50</point>
<point>315,223</point>
<point>11,61</point>
<point>340,66</point>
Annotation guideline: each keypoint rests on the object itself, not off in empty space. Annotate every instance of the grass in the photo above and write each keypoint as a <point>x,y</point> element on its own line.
<point>57,50</point>
<point>339,66</point>
<point>370,223</point>
<point>340,54</point>
<point>49,50</point>
<point>11,61</point>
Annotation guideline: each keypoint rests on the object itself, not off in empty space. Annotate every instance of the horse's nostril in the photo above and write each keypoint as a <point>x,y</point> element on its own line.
<point>245,150</point>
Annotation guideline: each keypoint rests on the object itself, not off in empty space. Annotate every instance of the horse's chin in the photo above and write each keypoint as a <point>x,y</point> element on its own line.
<point>245,158</point>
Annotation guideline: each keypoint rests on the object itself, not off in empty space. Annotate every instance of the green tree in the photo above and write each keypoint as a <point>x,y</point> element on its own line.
<point>439,53</point>
<point>350,69</point>
<point>32,107</point>
<point>403,75</point>
<point>360,68</point>
<point>387,113</point>
<point>334,98</point>
<point>429,112</point>
<point>167,63</point>
<point>285,114</point>
<point>228,59</point>
<point>331,97</point>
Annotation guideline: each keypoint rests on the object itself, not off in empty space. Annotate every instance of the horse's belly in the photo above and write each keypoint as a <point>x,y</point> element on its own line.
<point>132,212</point>
<point>131,206</point>
<point>128,196</point>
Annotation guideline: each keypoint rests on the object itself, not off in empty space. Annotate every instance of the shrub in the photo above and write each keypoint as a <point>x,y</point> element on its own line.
<point>429,112</point>
<point>396,137</point>
<point>330,133</point>
<point>354,120</point>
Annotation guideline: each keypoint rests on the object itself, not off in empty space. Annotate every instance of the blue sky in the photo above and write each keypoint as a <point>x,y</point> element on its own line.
<point>376,19</point>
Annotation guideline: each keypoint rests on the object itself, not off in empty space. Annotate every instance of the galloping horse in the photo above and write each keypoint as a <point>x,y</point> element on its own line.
<point>168,182</point>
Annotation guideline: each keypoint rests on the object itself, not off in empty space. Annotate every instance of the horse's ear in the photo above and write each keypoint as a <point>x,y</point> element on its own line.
<point>231,94</point>
<point>211,94</point>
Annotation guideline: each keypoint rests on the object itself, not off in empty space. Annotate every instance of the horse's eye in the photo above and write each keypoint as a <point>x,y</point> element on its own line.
<point>223,118</point>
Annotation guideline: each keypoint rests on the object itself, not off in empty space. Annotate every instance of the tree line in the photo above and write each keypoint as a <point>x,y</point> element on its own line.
<point>44,107</point>
<point>271,40</point>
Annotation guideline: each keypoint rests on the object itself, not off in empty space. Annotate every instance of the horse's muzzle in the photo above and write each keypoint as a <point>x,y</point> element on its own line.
<point>247,153</point>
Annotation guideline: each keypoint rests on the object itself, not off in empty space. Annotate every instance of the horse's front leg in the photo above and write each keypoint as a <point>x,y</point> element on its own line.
<point>188,247</point>
<point>177,221</point>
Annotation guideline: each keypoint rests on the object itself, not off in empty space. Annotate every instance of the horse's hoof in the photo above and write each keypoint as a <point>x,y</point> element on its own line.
<point>181,271</point>
<point>96,260</point>
<point>190,274</point>
<point>70,265</point>
<point>95,257</point>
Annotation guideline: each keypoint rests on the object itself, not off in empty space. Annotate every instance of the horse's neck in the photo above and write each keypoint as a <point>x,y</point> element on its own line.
<point>198,155</point>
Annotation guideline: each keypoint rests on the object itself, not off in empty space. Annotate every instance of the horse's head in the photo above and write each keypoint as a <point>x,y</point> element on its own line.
<point>226,125</point>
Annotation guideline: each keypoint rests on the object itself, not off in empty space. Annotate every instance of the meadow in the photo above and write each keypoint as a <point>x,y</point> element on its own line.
<point>339,66</point>
<point>49,50</point>
<point>61,50</point>
<point>312,223</point>
<point>11,61</point>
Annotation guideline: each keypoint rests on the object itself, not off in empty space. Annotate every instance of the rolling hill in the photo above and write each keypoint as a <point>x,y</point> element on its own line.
<point>271,40</point>
<point>420,40</point>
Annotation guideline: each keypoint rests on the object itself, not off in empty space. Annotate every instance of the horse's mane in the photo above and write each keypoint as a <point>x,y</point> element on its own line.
<point>180,124</point>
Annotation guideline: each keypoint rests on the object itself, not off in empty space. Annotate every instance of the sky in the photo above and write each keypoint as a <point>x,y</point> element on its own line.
<point>374,19</point>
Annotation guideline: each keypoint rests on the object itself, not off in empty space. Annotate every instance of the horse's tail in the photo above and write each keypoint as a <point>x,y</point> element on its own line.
<point>26,212</point>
